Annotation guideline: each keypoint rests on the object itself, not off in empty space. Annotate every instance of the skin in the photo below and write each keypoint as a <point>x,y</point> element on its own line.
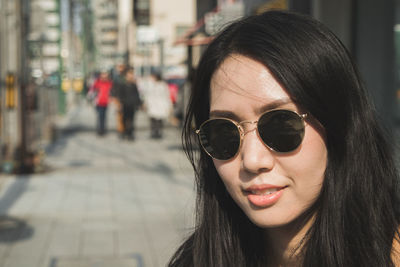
<point>104,76</point>
<point>396,252</point>
<point>130,76</point>
<point>242,89</point>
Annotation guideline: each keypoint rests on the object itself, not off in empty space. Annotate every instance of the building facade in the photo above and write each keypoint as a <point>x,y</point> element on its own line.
<point>105,28</point>
<point>142,33</point>
<point>157,25</point>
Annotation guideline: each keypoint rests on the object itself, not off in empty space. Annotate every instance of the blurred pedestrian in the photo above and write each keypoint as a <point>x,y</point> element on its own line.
<point>100,90</point>
<point>158,104</point>
<point>130,103</point>
<point>118,79</point>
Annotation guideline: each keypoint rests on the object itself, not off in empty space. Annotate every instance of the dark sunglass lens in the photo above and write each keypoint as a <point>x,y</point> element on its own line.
<point>220,138</point>
<point>281,130</point>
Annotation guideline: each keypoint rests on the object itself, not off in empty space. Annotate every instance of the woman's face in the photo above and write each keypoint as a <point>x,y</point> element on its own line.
<point>271,188</point>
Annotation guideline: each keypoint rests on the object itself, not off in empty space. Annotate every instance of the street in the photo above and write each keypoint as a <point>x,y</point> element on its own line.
<point>101,201</point>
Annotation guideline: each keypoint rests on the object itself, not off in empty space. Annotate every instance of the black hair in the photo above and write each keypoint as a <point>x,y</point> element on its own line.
<point>128,69</point>
<point>157,75</point>
<point>357,212</point>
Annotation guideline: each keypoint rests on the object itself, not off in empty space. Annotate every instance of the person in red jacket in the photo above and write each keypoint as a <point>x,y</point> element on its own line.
<point>101,88</point>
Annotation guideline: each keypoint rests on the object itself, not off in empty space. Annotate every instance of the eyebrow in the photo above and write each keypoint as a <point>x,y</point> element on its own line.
<point>274,104</point>
<point>223,114</point>
<point>231,115</point>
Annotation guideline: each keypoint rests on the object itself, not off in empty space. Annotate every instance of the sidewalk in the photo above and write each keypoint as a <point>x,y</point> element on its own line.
<point>104,202</point>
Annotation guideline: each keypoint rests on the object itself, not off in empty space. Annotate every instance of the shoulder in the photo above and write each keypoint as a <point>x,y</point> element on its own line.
<point>395,254</point>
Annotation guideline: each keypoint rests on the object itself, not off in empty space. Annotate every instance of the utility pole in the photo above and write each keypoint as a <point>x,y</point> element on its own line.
<point>71,55</point>
<point>3,32</point>
<point>23,73</point>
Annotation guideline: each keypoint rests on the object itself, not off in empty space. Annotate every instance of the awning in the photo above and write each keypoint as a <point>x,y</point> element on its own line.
<point>195,41</point>
<point>191,39</point>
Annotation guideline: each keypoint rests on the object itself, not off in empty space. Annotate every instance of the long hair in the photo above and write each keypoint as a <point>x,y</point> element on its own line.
<point>357,210</point>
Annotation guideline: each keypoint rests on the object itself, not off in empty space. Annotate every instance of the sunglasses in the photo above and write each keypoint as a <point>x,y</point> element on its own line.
<point>280,130</point>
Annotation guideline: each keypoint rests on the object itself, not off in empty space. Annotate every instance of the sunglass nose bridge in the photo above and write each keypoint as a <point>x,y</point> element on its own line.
<point>243,129</point>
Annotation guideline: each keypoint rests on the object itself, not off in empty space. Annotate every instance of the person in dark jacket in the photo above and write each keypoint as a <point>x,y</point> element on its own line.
<point>118,82</point>
<point>130,102</point>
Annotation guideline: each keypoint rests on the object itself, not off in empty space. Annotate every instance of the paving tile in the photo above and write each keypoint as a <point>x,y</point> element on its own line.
<point>16,198</point>
<point>65,240</point>
<point>22,262</point>
<point>29,249</point>
<point>98,242</point>
<point>132,239</point>
<point>164,240</point>
<point>133,261</point>
<point>99,224</point>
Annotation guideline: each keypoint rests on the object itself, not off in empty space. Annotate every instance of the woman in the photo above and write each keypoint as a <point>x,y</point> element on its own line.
<point>294,169</point>
<point>101,90</point>
<point>157,103</point>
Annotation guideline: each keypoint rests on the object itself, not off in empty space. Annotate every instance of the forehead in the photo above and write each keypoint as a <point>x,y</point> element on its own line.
<point>240,79</point>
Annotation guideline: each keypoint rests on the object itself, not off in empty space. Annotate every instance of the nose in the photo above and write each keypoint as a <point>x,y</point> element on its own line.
<point>255,155</point>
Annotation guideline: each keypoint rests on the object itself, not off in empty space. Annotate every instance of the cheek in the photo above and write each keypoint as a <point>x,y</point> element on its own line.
<point>229,173</point>
<point>316,151</point>
<point>310,163</point>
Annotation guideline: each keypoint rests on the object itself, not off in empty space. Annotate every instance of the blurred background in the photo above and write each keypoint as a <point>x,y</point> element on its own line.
<point>69,197</point>
<point>51,49</point>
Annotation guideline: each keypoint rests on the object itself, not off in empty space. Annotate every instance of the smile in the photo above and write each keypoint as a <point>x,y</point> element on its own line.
<point>264,196</point>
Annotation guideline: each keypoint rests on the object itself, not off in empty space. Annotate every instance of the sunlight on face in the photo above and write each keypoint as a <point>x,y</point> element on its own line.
<point>271,188</point>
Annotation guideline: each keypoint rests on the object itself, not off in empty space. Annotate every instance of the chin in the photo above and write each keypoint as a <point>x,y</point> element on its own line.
<point>270,220</point>
<point>270,225</point>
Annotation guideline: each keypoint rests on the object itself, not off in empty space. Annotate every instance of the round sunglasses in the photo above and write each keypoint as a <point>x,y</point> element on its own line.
<point>280,130</point>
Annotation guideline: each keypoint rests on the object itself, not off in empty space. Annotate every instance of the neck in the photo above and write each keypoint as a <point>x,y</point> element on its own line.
<point>285,243</point>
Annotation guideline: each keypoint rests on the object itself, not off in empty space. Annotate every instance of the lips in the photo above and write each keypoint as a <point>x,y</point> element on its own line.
<point>264,192</point>
<point>264,195</point>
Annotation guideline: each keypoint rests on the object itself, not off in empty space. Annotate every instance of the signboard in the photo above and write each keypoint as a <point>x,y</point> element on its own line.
<point>216,21</point>
<point>147,35</point>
